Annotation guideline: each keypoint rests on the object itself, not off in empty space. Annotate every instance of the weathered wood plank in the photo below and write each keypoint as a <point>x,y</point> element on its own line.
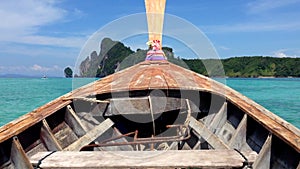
<point>238,140</point>
<point>141,105</point>
<point>117,133</point>
<point>48,138</point>
<point>128,106</point>
<point>251,156</point>
<point>157,80</point>
<point>37,146</point>
<point>219,119</point>
<point>64,134</point>
<point>264,156</point>
<point>141,159</point>
<point>90,136</point>
<point>74,122</point>
<point>18,155</point>
<point>226,132</point>
<point>206,134</point>
<point>279,127</point>
<point>24,122</point>
<point>140,79</point>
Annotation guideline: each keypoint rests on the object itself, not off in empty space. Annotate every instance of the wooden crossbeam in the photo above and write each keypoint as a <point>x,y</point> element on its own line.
<point>264,156</point>
<point>90,136</point>
<point>142,159</point>
<point>219,119</point>
<point>206,134</point>
<point>142,105</point>
<point>48,138</point>
<point>74,122</point>
<point>238,140</point>
<point>18,156</point>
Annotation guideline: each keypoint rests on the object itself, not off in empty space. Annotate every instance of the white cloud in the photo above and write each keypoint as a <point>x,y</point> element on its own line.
<point>282,54</point>
<point>36,67</point>
<point>76,42</point>
<point>254,27</point>
<point>263,16</point>
<point>21,21</point>
<point>39,68</point>
<point>224,48</point>
<point>24,16</point>
<point>259,6</point>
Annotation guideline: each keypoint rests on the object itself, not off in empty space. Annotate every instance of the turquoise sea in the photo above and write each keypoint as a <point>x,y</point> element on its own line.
<point>21,95</point>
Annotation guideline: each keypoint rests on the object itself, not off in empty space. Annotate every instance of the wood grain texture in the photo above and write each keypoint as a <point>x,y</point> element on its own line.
<point>90,136</point>
<point>18,156</point>
<point>209,136</point>
<point>143,159</point>
<point>173,77</point>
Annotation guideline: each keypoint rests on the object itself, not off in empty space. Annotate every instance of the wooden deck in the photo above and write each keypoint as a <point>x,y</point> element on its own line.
<point>143,159</point>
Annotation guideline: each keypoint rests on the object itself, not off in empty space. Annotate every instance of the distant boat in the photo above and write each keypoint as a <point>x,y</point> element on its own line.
<point>44,77</point>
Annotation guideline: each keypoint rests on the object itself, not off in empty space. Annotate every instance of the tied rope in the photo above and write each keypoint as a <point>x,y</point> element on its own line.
<point>40,160</point>
<point>93,100</point>
<point>246,162</point>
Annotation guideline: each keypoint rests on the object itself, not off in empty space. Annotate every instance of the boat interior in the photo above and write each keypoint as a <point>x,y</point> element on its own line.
<point>205,124</point>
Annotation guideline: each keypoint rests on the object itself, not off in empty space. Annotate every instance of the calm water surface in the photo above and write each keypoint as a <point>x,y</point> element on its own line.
<point>279,95</point>
<point>19,96</point>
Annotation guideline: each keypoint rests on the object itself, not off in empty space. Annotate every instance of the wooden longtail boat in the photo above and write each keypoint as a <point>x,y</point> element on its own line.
<point>152,115</point>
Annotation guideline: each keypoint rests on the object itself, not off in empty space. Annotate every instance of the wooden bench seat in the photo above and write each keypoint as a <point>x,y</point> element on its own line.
<point>90,136</point>
<point>143,159</point>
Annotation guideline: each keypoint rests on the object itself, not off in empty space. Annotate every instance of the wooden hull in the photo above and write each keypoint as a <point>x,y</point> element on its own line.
<point>151,115</point>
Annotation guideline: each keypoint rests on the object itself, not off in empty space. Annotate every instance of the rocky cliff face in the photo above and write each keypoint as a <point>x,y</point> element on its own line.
<point>111,53</point>
<point>85,65</point>
<point>114,56</point>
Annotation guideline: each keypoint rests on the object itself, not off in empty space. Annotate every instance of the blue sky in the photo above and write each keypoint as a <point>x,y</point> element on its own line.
<point>43,37</point>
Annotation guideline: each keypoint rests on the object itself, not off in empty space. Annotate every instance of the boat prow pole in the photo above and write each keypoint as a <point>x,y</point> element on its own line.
<point>155,10</point>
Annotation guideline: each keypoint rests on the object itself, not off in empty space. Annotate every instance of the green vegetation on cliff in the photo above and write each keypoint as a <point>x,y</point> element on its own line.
<point>251,66</point>
<point>112,53</point>
<point>115,56</point>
